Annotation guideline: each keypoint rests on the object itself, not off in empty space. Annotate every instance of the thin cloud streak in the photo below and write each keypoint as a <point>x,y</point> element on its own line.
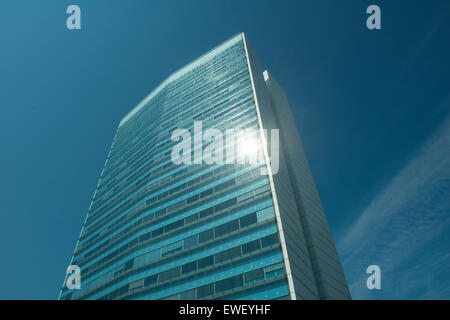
<point>397,228</point>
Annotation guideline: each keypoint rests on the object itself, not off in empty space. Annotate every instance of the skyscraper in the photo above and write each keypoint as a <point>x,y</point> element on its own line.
<point>157,229</point>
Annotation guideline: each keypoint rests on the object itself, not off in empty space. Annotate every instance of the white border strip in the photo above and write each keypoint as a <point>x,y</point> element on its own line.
<point>272,185</point>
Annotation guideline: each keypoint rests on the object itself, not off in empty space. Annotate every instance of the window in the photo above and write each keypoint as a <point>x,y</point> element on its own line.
<point>265,214</point>
<point>206,193</point>
<point>192,218</point>
<point>228,284</point>
<point>193,199</point>
<point>157,232</point>
<point>190,242</point>
<point>248,220</point>
<point>205,262</point>
<point>174,225</point>
<point>136,285</point>
<point>206,212</point>
<point>175,207</point>
<point>189,267</point>
<point>244,177</point>
<point>129,264</point>
<point>123,290</point>
<point>147,218</point>
<point>150,281</point>
<point>225,205</point>
<point>254,276</point>
<point>133,243</point>
<point>245,196</point>
<point>145,237</point>
<point>227,228</point>
<point>193,181</point>
<point>206,236</point>
<point>269,240</point>
<point>228,184</point>
<point>205,291</point>
<point>262,189</point>
<point>207,175</point>
<point>274,271</point>
<point>160,213</point>
<point>188,295</point>
<point>171,248</point>
<point>163,195</point>
<point>154,255</point>
<point>149,201</point>
<point>140,260</point>
<point>250,247</point>
<point>113,294</point>
<point>176,189</point>
<point>221,169</point>
<point>228,254</point>
<point>169,274</point>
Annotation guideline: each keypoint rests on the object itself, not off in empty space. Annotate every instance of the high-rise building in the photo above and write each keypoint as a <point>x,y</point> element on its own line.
<point>157,229</point>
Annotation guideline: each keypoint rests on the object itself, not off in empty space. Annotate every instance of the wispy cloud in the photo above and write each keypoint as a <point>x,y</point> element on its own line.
<point>406,229</point>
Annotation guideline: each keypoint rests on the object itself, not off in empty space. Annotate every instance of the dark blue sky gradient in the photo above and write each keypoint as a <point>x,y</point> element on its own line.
<point>364,102</point>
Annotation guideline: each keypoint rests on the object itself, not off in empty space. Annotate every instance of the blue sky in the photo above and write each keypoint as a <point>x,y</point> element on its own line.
<point>372,108</point>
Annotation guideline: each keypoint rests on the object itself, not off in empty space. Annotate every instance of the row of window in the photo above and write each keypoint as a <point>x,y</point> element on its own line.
<point>155,167</point>
<point>232,96</point>
<point>182,205</point>
<point>155,143</point>
<point>205,236</point>
<point>179,176</point>
<point>124,208</point>
<point>148,154</point>
<point>198,265</point>
<point>164,197</point>
<point>153,170</point>
<point>123,211</point>
<point>218,287</point>
<point>229,75</point>
<point>261,215</point>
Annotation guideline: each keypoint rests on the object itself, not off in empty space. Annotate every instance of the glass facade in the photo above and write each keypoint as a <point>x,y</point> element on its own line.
<point>159,230</point>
